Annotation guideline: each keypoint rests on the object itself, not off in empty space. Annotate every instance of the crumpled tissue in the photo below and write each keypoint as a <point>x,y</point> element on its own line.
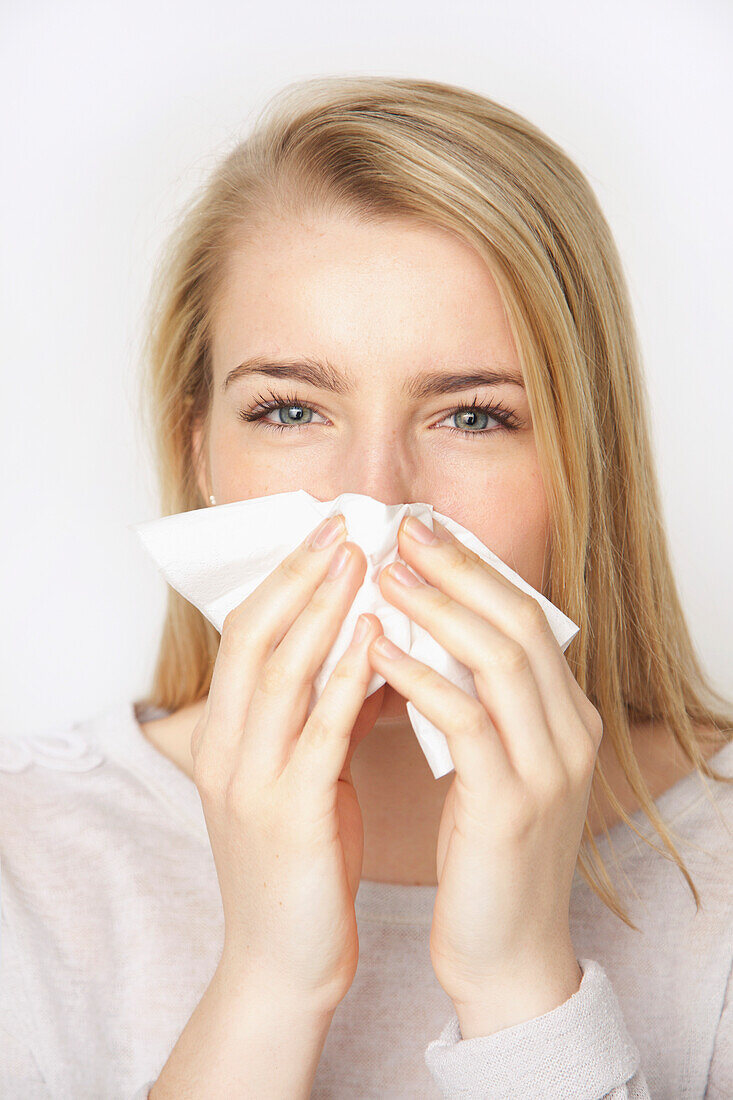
<point>216,556</point>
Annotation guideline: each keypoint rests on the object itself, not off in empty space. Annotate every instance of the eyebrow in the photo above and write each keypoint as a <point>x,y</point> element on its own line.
<point>322,374</point>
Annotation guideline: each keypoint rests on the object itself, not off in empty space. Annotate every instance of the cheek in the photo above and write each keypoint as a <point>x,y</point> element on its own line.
<point>248,462</point>
<point>241,473</point>
<point>512,519</point>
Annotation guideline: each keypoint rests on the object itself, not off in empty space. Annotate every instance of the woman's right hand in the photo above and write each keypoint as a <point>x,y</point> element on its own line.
<point>275,784</point>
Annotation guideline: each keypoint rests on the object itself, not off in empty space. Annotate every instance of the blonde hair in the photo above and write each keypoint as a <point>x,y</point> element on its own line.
<point>373,148</point>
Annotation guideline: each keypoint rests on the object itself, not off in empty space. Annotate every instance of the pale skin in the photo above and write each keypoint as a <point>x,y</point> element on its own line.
<point>383,304</point>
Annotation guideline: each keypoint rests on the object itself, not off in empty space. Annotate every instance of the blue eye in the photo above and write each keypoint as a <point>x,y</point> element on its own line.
<point>506,419</point>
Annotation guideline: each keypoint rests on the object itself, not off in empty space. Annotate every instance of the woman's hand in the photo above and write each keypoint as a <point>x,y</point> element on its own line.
<point>275,782</point>
<point>524,754</point>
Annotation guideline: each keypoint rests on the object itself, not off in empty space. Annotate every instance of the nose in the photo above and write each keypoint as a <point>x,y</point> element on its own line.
<point>382,468</point>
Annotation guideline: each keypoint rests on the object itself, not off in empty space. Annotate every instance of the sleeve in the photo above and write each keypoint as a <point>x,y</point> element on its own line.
<point>720,1075</point>
<point>580,1050</point>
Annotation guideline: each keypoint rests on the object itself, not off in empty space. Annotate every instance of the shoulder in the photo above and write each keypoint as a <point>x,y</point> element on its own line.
<point>34,766</point>
<point>80,822</point>
<point>697,812</point>
<point>56,785</point>
<point>51,823</point>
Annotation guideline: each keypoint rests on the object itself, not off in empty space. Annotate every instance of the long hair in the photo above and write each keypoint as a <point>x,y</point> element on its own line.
<point>372,148</point>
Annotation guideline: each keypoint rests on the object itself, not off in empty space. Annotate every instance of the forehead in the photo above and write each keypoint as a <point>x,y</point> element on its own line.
<point>349,289</point>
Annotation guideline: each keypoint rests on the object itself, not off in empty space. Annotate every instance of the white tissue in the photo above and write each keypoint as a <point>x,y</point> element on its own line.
<point>216,556</point>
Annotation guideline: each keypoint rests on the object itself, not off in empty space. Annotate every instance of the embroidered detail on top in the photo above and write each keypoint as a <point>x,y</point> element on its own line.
<point>66,751</point>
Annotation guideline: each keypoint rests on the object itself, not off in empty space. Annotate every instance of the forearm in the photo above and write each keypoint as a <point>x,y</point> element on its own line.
<point>244,1043</point>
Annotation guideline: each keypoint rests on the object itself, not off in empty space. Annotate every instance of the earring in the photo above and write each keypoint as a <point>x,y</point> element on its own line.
<point>211,498</point>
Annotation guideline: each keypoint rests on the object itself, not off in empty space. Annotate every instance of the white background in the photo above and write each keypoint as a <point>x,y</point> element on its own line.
<point>111,115</point>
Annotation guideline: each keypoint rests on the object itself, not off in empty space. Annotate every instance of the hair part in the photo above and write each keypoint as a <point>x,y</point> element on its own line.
<point>382,148</point>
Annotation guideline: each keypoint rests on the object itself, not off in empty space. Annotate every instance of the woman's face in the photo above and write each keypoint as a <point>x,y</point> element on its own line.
<point>387,321</point>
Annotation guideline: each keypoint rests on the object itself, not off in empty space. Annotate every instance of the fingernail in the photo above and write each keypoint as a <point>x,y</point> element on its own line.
<point>338,561</point>
<point>386,648</point>
<point>326,532</point>
<point>414,529</point>
<point>403,575</point>
<point>362,628</point>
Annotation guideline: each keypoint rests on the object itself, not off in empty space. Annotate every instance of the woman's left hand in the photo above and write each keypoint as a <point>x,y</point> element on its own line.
<point>524,754</point>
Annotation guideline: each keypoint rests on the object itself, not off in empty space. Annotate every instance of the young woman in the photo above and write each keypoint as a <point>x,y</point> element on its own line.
<point>403,289</point>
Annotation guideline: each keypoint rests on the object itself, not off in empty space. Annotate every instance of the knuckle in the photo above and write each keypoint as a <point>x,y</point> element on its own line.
<point>234,638</point>
<point>586,751</point>
<point>319,730</point>
<point>322,600</point>
<point>273,678</point>
<point>509,657</point>
<point>345,671</point>
<point>440,599</point>
<point>422,675</point>
<point>587,756</point>
<point>196,738</point>
<point>238,796</point>
<point>208,778</point>
<point>474,724</point>
<point>229,621</point>
<point>459,559</point>
<point>295,568</point>
<point>551,788</point>
<point>594,725</point>
<point>532,617</point>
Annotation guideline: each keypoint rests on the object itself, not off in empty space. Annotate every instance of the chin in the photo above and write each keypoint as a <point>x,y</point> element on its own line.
<point>394,705</point>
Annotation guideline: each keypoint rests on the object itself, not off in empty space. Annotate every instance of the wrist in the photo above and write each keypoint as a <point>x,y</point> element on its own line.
<point>230,985</point>
<point>524,998</point>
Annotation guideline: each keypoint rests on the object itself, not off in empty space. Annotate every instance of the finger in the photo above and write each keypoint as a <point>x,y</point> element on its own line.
<point>502,672</point>
<point>251,631</point>
<point>478,754</point>
<point>579,697</point>
<point>473,583</point>
<point>279,703</point>
<point>320,752</point>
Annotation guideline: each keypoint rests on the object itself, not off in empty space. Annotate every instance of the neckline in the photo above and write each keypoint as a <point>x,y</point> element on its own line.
<point>171,784</point>
<point>391,902</point>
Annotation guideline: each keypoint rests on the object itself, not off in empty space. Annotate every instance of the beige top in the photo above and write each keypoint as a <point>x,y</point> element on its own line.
<point>112,927</point>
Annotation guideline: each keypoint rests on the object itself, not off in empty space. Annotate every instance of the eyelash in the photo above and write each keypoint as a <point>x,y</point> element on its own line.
<point>506,418</point>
